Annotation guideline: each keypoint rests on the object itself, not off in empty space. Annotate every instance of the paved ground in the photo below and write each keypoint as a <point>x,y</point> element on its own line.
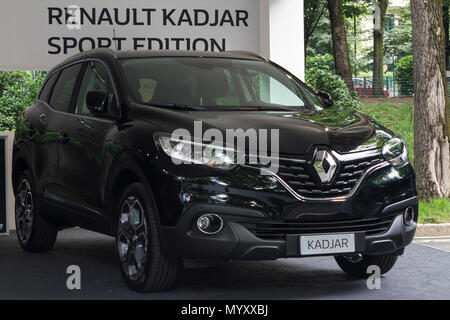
<point>422,273</point>
<point>442,243</point>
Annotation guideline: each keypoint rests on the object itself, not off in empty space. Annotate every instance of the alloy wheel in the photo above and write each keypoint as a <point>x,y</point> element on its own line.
<point>24,210</point>
<point>132,238</point>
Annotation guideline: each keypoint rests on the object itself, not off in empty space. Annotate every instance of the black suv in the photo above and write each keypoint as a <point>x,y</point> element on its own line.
<point>97,150</point>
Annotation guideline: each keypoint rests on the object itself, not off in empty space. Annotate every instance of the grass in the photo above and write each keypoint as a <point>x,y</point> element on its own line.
<point>398,115</point>
<point>435,211</point>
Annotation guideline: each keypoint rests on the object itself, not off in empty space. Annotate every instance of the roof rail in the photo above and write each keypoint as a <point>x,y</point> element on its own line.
<point>247,53</point>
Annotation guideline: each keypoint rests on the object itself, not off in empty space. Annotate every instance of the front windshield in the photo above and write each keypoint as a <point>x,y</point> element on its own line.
<point>214,83</point>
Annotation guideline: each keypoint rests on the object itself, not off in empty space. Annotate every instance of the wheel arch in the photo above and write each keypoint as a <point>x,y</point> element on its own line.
<point>125,171</point>
<point>21,162</point>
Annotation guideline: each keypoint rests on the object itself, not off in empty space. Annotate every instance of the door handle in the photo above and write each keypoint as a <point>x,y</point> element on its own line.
<point>43,118</point>
<point>65,138</point>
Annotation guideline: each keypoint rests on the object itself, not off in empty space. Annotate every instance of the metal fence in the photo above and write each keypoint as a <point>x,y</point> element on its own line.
<point>391,87</point>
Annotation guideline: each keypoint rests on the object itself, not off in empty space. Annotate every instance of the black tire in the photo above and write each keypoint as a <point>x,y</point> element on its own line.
<point>157,270</point>
<point>34,232</point>
<point>359,269</point>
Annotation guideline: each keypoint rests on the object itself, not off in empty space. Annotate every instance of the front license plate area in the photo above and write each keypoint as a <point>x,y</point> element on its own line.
<point>321,244</point>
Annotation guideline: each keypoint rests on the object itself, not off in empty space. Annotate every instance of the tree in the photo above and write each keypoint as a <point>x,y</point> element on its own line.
<point>378,31</point>
<point>320,41</point>
<point>313,12</point>
<point>356,8</point>
<point>340,46</point>
<point>18,90</point>
<point>353,9</point>
<point>431,109</point>
<point>317,29</point>
<point>445,17</point>
<point>398,39</point>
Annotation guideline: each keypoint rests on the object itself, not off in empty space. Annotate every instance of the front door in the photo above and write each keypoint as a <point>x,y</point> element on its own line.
<point>85,157</point>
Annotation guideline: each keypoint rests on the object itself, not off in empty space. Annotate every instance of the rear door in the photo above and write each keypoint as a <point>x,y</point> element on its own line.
<point>47,117</point>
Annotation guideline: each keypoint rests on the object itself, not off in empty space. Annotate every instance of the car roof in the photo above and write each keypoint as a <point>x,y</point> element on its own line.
<point>109,53</point>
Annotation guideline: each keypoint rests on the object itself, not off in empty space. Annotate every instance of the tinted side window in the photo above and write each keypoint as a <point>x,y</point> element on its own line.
<point>63,90</point>
<point>48,86</point>
<point>96,77</point>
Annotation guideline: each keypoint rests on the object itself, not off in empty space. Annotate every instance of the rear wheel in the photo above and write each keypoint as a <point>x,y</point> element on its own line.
<point>34,232</point>
<point>358,267</point>
<point>144,264</point>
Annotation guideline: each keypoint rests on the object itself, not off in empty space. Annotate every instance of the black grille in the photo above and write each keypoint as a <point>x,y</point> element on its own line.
<point>299,176</point>
<point>272,230</point>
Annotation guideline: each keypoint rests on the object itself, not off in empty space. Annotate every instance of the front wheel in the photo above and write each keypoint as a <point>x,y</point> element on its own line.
<point>358,267</point>
<point>144,264</point>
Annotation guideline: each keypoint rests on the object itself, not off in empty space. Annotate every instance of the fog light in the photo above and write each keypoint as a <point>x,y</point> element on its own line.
<point>210,223</point>
<point>408,216</point>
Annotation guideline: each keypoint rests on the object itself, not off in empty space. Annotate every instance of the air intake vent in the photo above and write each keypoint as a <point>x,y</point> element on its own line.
<point>272,230</point>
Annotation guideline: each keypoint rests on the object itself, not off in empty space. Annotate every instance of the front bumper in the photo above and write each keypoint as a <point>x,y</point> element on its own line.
<point>236,241</point>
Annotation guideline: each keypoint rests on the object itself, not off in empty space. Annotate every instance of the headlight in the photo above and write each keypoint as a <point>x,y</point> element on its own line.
<point>188,152</point>
<point>395,152</point>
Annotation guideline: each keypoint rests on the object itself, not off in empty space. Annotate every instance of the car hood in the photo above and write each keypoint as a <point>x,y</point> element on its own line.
<point>343,130</point>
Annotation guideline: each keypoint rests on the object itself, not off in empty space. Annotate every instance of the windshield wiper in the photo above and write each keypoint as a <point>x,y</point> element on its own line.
<point>175,106</point>
<point>259,108</point>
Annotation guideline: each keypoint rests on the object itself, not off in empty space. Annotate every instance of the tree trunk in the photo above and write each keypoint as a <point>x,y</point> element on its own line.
<point>340,47</point>
<point>431,109</point>
<point>378,32</point>
<point>446,28</point>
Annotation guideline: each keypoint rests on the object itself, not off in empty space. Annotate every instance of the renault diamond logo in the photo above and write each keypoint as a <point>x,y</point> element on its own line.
<point>325,165</point>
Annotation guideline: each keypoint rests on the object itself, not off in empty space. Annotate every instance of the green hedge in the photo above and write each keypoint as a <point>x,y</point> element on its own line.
<point>320,61</point>
<point>320,76</point>
<point>404,75</point>
<point>18,90</point>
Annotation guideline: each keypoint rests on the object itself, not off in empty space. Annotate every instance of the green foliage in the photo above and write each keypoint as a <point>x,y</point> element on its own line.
<point>398,40</point>
<point>317,22</point>
<point>320,78</point>
<point>18,90</point>
<point>313,12</point>
<point>320,41</point>
<point>404,75</point>
<point>321,61</point>
<point>360,44</point>
<point>356,8</point>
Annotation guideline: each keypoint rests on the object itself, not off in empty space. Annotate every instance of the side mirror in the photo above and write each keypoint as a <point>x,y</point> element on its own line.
<point>326,98</point>
<point>97,101</point>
